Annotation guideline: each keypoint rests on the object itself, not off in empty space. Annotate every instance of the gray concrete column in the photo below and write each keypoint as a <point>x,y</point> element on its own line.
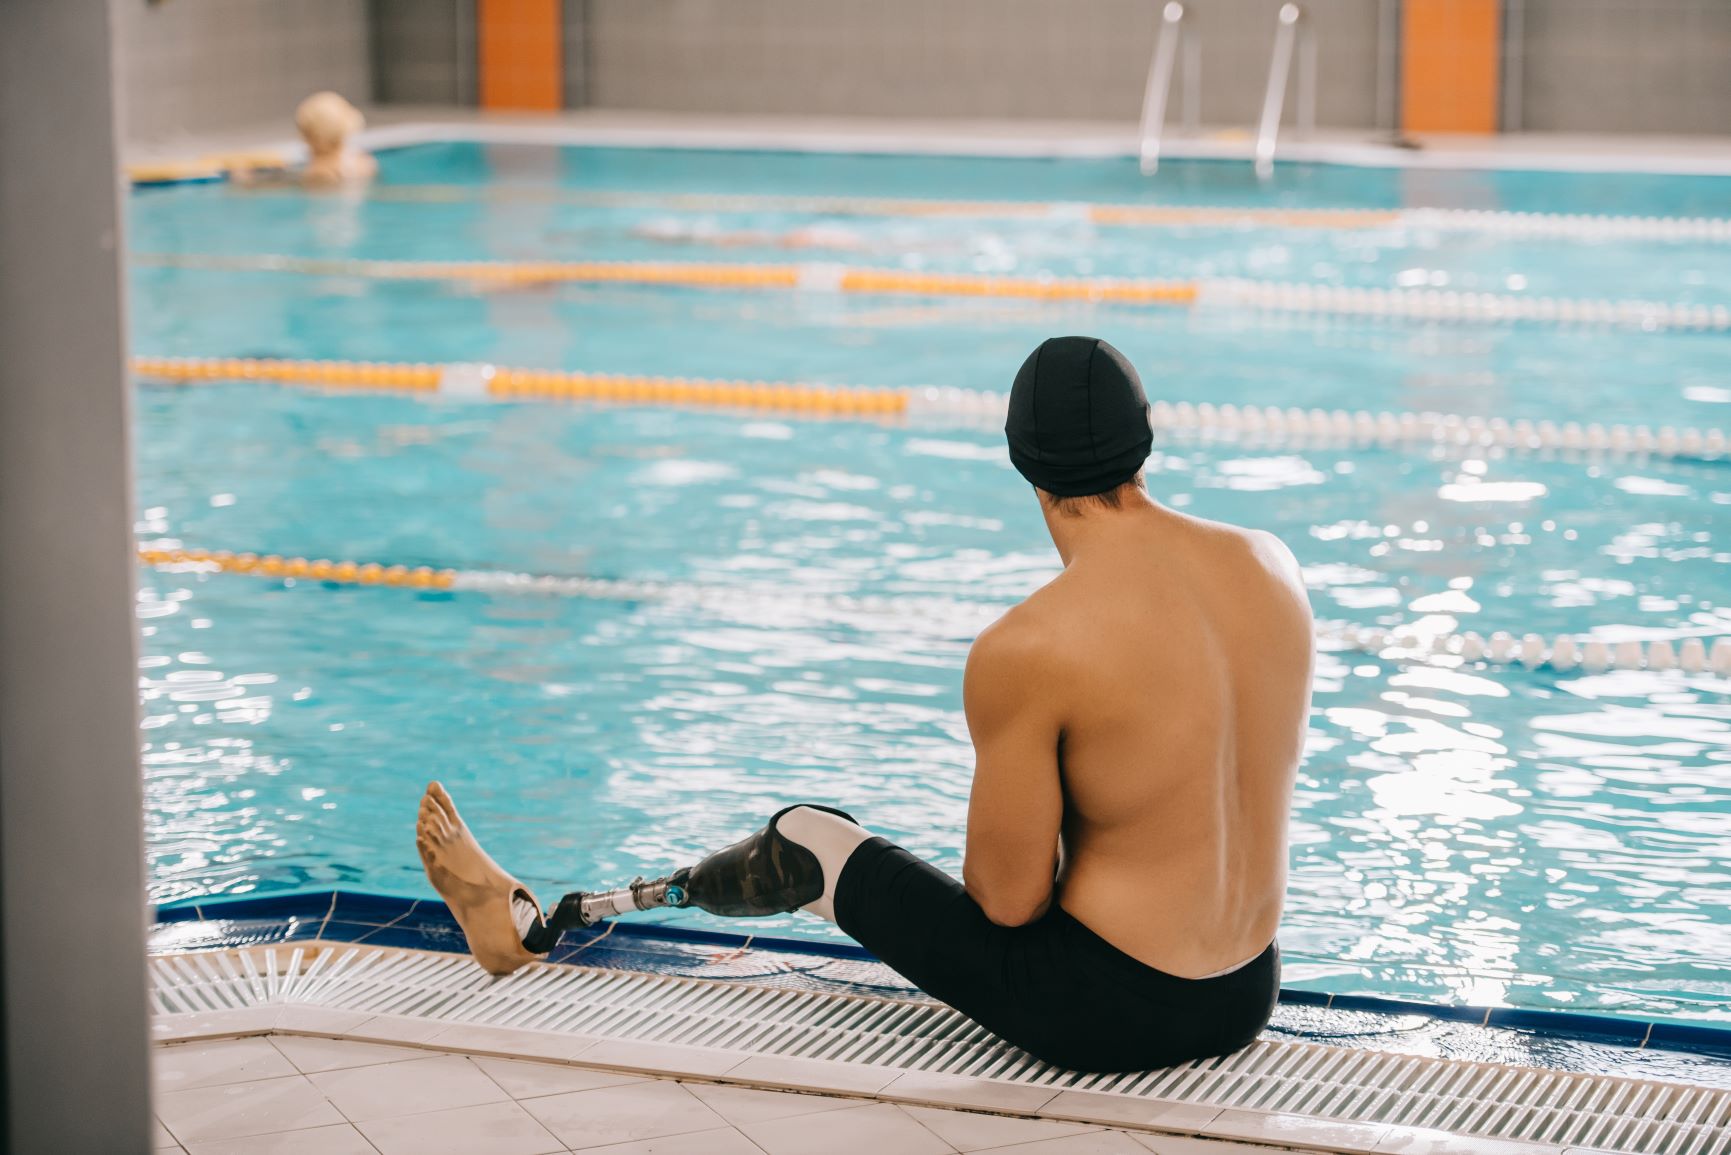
<point>72,908</point>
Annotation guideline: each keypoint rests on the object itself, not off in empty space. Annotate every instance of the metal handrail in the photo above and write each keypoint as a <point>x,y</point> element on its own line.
<point>1160,84</point>
<point>1287,35</point>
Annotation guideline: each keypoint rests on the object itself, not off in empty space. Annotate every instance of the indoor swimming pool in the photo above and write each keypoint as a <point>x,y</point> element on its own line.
<point>1464,832</point>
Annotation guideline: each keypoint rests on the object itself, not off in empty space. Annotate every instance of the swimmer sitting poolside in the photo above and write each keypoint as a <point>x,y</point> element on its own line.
<point>1137,725</point>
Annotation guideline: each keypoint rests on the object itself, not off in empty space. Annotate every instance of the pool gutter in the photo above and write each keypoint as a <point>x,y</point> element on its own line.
<point>821,1017</point>
<point>398,127</point>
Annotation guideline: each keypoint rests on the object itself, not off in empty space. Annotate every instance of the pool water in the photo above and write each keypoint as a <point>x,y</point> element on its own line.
<point>1461,834</point>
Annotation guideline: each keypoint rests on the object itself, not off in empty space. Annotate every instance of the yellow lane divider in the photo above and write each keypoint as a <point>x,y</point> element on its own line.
<point>207,168</point>
<point>273,565</point>
<point>537,384</point>
<point>833,278</point>
<point>1262,424</point>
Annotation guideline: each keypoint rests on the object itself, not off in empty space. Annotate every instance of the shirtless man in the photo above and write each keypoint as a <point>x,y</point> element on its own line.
<point>1137,726</point>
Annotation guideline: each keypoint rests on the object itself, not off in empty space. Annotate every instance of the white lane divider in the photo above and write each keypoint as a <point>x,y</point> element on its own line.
<point>951,617</point>
<point>1449,305</point>
<point>1562,653</point>
<point>1569,225</point>
<point>1269,424</point>
<point>1498,222</point>
<point>1387,427</point>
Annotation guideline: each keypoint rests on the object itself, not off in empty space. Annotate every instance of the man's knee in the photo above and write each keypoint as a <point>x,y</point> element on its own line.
<point>832,838</point>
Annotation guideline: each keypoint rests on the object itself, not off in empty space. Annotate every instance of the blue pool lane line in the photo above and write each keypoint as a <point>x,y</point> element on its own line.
<point>652,948</point>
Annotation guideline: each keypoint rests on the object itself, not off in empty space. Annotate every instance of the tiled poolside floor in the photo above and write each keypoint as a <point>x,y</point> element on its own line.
<point>299,1095</point>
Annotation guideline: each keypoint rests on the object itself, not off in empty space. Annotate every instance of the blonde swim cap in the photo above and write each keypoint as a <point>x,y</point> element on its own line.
<point>327,118</point>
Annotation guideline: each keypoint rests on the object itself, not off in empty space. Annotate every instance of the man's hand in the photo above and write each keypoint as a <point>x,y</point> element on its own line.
<point>1017,803</point>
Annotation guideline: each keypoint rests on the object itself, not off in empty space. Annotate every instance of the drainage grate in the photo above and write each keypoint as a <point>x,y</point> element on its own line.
<point>1601,1111</point>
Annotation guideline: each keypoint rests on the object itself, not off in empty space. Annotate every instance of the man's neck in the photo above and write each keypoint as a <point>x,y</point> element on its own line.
<point>1077,535</point>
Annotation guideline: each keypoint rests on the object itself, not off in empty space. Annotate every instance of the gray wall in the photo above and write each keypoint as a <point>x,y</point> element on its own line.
<point>423,51</point>
<point>1058,59</point>
<point>1582,65</point>
<point>72,906</point>
<point>1633,66</point>
<point>207,65</point>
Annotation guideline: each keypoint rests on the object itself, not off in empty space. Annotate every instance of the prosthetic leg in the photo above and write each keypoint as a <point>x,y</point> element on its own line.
<point>766,873</point>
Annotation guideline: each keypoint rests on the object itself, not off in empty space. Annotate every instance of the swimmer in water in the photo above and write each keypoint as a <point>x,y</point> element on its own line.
<point>1137,725</point>
<point>326,122</point>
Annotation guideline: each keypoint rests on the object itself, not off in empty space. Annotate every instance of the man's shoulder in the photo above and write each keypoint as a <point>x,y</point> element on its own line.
<point>1026,637</point>
<point>1249,552</point>
<point>1273,555</point>
<point>1020,631</point>
<point>1267,588</point>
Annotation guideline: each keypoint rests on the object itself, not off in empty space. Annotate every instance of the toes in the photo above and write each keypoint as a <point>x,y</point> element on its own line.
<point>436,791</point>
<point>430,824</point>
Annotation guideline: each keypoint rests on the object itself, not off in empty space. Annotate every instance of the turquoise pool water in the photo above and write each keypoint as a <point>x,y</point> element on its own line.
<point>1460,834</point>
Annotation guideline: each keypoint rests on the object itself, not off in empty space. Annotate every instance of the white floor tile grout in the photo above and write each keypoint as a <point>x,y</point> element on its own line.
<point>829,1124</point>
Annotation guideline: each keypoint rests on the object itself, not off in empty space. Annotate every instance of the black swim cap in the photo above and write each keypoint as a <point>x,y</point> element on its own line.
<point>1078,420</point>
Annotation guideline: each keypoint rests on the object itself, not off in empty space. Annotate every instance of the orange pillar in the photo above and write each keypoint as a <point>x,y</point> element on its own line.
<point>1450,63</point>
<point>521,50</point>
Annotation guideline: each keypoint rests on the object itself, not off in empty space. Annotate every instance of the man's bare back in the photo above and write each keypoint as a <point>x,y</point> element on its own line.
<point>1174,656</point>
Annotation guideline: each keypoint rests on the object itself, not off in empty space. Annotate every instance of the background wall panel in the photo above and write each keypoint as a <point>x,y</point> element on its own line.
<point>1042,59</point>
<point>1659,66</point>
<point>207,65</point>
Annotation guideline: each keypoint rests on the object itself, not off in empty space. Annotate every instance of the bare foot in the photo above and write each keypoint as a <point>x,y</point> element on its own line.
<point>476,888</point>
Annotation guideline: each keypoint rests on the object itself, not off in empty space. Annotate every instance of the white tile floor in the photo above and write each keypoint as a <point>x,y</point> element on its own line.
<point>295,1095</point>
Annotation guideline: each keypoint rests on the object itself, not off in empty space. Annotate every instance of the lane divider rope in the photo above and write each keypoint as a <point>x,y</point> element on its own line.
<point>1261,424</point>
<point>1424,304</point>
<point>696,274</point>
<point>1565,652</point>
<point>505,383</point>
<point>1597,226</point>
<point>1449,305</point>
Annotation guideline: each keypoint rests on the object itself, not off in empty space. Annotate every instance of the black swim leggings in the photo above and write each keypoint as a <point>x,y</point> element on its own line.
<point>1053,987</point>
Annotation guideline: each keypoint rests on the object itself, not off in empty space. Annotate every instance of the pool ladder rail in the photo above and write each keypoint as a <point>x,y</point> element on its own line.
<point>1293,31</point>
<point>1174,32</point>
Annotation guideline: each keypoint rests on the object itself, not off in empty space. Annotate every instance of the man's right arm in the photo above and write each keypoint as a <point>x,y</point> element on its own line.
<point>1017,804</point>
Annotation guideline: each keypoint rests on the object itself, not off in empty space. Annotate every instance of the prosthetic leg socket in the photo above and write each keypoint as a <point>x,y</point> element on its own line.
<point>765,873</point>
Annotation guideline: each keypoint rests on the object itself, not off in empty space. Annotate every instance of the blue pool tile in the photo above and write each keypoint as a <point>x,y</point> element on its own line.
<point>446,941</point>
<point>1698,1037</point>
<point>1377,1004</point>
<point>372,909</point>
<point>300,904</point>
<point>1570,1022</point>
